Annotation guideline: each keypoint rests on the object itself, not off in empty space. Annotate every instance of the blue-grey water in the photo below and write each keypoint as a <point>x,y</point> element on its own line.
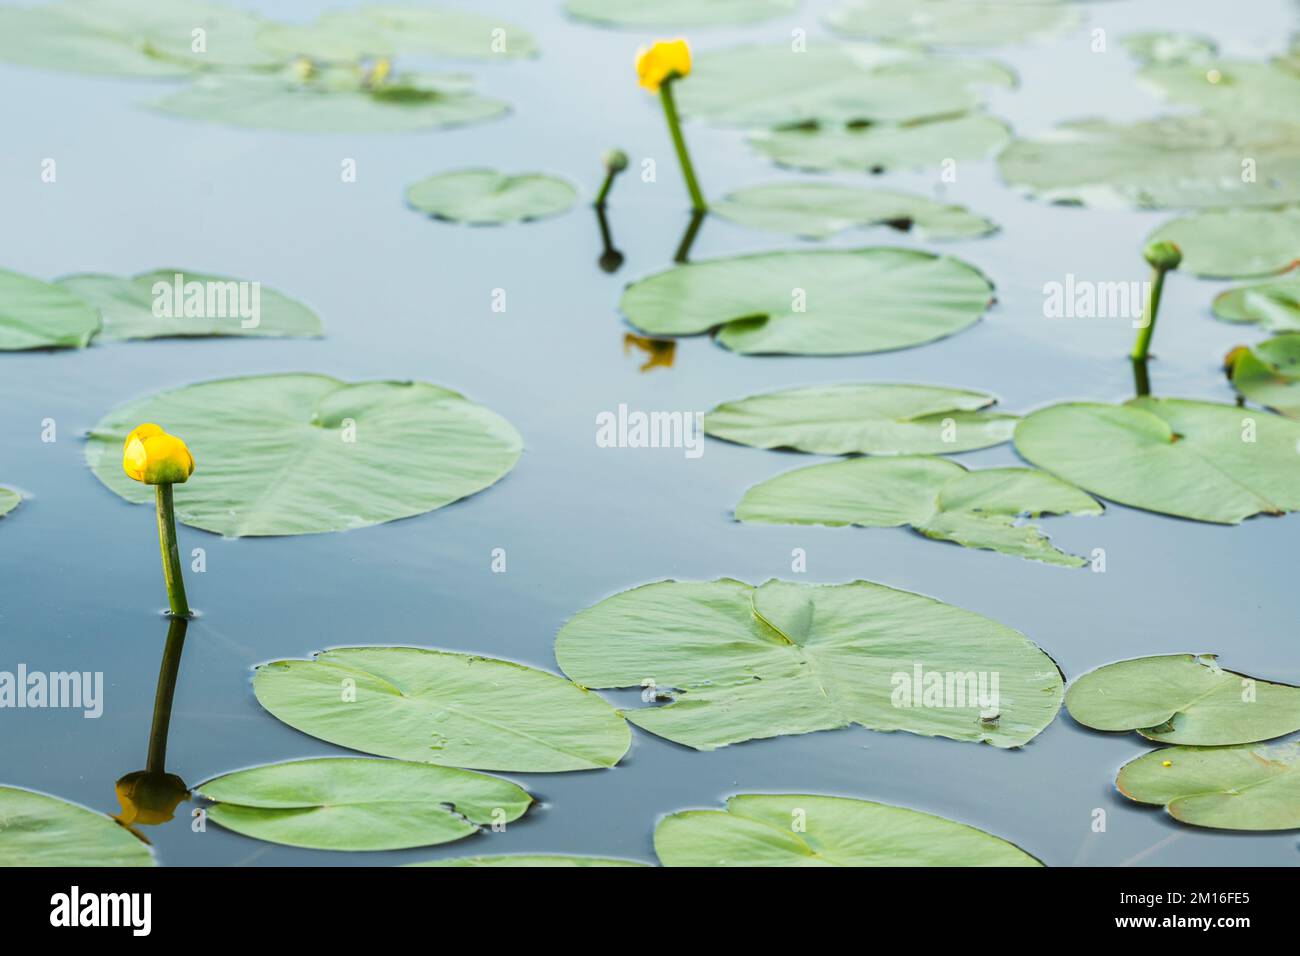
<point>402,296</point>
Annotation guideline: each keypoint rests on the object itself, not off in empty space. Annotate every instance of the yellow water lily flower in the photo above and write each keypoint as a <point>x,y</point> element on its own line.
<point>154,457</point>
<point>662,60</point>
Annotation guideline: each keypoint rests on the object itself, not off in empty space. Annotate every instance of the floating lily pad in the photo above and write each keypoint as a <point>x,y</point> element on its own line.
<point>879,419</point>
<point>1235,243</point>
<point>677,14</point>
<point>335,100</point>
<point>358,803</point>
<point>39,830</point>
<point>1273,305</point>
<point>485,196</point>
<point>859,300</point>
<point>876,148</point>
<point>966,23</point>
<point>742,662</point>
<point>9,500</point>
<point>439,707</point>
<point>1269,374</point>
<point>1231,88</point>
<point>1164,47</point>
<point>1183,699</point>
<point>819,210</point>
<point>301,454</point>
<point>1172,162</point>
<point>1247,787</point>
<point>529,860</point>
<point>833,83</point>
<point>1191,459</point>
<point>935,496</point>
<point>392,31</point>
<point>800,829</point>
<point>127,306</point>
<point>42,315</point>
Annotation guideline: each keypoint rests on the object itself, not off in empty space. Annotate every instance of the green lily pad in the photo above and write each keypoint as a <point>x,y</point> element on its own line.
<point>877,419</point>
<point>1174,456</point>
<point>964,23</point>
<point>42,315</point>
<point>1183,699</point>
<point>1171,162</point>
<point>9,500</point>
<point>743,663</point>
<point>358,803</point>
<point>485,196</point>
<point>393,31</point>
<point>529,860</point>
<point>1235,243</point>
<point>302,454</point>
<point>126,306</point>
<point>39,830</point>
<point>1273,305</point>
<point>858,300</point>
<point>801,829</point>
<point>1269,374</point>
<point>935,496</point>
<point>833,83</point>
<point>1159,47</point>
<point>876,148</point>
<point>333,100</point>
<point>819,210</point>
<point>677,14</point>
<point>1232,88</point>
<point>440,707</point>
<point>1247,787</point>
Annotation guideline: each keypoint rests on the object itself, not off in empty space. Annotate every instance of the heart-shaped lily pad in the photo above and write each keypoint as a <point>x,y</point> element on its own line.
<point>876,148</point>
<point>1195,460</point>
<point>358,803</point>
<point>801,829</point>
<point>973,23</point>
<point>813,303</point>
<point>301,454</point>
<point>529,860</point>
<point>1235,243</point>
<point>741,662</point>
<point>485,196</point>
<point>1247,787</point>
<point>1183,699</point>
<point>1273,305</point>
<point>172,302</point>
<point>935,496</point>
<point>878,419</point>
<point>42,315</point>
<point>819,210</point>
<point>1269,373</point>
<point>9,500</point>
<point>677,14</point>
<point>440,707</point>
<point>39,830</point>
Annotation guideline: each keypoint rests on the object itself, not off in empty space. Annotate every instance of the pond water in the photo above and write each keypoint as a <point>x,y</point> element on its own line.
<point>404,297</point>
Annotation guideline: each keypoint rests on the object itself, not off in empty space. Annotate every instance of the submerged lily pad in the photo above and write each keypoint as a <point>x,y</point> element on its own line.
<point>801,829</point>
<point>42,315</point>
<point>1183,699</point>
<point>1235,243</point>
<point>827,302</point>
<point>126,306</point>
<point>973,23</point>
<point>358,803</point>
<point>9,500</point>
<point>935,496</point>
<point>1273,305</point>
<point>1171,162</point>
<point>876,148</point>
<point>391,31</point>
<point>1269,373</point>
<point>877,419</point>
<point>440,707</point>
<point>819,210</point>
<point>1198,460</point>
<point>742,662</point>
<point>301,454</point>
<point>39,830</point>
<point>677,14</point>
<point>485,196</point>
<point>1247,787</point>
<point>529,860</point>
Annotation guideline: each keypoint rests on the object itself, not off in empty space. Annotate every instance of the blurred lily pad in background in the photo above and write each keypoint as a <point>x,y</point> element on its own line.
<point>9,500</point>
<point>875,149</point>
<point>1269,373</point>
<point>485,196</point>
<point>1235,243</point>
<point>42,315</point>
<point>677,14</point>
<point>1273,305</point>
<point>529,860</point>
<point>956,23</point>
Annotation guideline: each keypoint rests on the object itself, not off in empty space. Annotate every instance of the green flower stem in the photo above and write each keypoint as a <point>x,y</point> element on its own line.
<point>162,702</point>
<point>605,188</point>
<point>679,143</point>
<point>1143,343</point>
<point>171,556</point>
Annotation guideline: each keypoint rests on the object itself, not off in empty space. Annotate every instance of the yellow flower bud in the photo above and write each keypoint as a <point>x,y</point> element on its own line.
<point>662,60</point>
<point>149,798</point>
<point>154,457</point>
